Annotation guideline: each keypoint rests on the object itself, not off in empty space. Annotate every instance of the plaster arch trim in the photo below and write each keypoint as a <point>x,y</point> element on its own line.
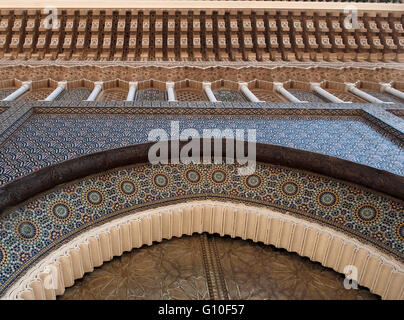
<point>49,278</point>
<point>106,170</point>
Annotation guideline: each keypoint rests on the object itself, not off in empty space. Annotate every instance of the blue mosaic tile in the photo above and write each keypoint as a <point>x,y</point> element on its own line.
<point>12,118</point>
<point>71,95</point>
<point>33,229</point>
<point>387,118</point>
<point>49,139</point>
<point>384,96</point>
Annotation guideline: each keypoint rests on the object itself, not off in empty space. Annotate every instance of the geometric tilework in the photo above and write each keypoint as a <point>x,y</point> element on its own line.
<point>48,139</point>
<point>384,96</point>
<point>33,229</point>
<point>229,95</point>
<point>45,140</point>
<point>115,94</point>
<point>190,95</point>
<point>346,96</point>
<point>11,119</point>
<point>307,96</point>
<point>78,94</point>
<point>151,95</point>
<point>266,95</point>
<point>385,119</point>
<point>36,95</point>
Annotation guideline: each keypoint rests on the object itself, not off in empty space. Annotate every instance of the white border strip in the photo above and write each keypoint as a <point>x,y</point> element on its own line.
<point>376,271</point>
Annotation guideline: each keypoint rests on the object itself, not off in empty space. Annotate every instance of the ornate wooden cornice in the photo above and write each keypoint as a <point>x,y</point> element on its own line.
<point>130,72</point>
<point>190,31</point>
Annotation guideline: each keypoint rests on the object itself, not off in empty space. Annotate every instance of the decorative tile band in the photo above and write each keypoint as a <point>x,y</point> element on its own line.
<point>387,120</point>
<point>74,106</point>
<point>59,270</point>
<point>48,139</point>
<point>157,105</point>
<point>34,229</point>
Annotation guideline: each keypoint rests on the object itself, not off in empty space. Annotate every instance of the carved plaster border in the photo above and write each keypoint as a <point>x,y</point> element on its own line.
<point>32,63</point>
<point>376,271</point>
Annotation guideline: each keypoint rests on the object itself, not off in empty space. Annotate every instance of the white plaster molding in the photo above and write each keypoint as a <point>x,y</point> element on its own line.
<point>207,87</point>
<point>351,87</point>
<point>170,91</point>
<point>243,87</point>
<point>132,91</point>
<point>55,93</point>
<point>316,87</point>
<point>387,87</point>
<point>278,87</point>
<point>32,63</point>
<point>380,273</point>
<point>25,86</point>
<point>98,87</point>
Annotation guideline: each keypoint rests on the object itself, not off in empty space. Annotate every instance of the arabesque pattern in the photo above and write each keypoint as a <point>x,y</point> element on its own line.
<point>35,228</point>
